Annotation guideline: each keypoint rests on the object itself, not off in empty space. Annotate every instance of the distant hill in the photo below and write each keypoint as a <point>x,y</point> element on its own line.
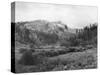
<point>42,32</point>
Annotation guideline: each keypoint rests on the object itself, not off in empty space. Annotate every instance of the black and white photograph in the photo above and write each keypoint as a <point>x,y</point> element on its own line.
<point>49,37</point>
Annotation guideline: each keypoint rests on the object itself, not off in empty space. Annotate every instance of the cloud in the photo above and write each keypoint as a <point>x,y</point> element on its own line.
<point>74,16</point>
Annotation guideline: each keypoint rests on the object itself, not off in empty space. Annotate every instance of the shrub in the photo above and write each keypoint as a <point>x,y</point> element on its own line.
<point>63,51</point>
<point>27,58</point>
<point>22,50</point>
<point>72,49</point>
<point>75,42</point>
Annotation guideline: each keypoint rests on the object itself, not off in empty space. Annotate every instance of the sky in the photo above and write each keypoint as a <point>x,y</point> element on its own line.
<point>72,15</point>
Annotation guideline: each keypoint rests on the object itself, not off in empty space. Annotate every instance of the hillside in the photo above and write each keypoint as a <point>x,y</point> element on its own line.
<point>41,31</point>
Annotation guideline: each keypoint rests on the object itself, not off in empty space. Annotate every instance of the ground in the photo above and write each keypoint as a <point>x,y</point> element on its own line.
<point>67,61</point>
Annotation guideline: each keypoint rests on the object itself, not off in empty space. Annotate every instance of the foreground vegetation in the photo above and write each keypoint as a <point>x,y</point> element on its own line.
<point>69,61</point>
